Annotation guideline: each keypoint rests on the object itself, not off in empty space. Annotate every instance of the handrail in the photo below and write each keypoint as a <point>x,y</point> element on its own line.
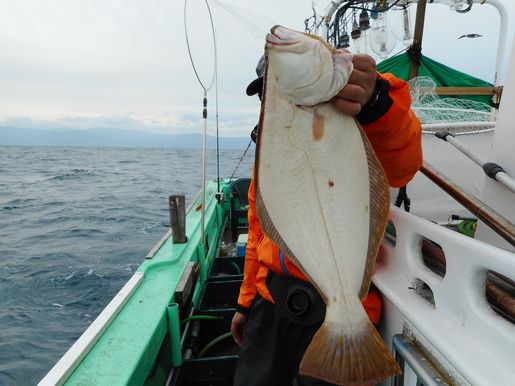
<point>422,365</point>
<point>499,224</point>
<point>463,90</point>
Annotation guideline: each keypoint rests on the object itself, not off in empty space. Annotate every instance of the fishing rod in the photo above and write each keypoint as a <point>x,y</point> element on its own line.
<point>491,169</point>
<point>498,223</point>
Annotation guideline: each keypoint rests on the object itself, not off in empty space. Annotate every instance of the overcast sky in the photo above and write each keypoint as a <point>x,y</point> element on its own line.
<point>124,63</point>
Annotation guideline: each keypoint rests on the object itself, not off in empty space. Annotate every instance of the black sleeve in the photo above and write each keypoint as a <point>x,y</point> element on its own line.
<point>377,105</point>
<point>242,310</point>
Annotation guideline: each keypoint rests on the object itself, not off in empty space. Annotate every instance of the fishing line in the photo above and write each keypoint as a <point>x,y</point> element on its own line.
<point>202,52</point>
<point>241,159</point>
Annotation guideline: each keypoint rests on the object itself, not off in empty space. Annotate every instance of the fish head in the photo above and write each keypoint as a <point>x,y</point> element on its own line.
<point>308,70</point>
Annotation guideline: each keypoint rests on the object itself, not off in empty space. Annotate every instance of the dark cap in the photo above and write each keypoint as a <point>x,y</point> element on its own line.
<point>256,86</point>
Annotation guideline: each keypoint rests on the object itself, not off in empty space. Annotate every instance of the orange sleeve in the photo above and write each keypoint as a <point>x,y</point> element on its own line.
<point>248,287</point>
<point>372,304</point>
<point>397,135</point>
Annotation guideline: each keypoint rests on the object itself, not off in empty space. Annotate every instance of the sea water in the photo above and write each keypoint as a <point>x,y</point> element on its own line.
<point>75,224</point>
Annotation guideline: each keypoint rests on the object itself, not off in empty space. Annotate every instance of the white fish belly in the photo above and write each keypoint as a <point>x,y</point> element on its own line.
<point>313,180</point>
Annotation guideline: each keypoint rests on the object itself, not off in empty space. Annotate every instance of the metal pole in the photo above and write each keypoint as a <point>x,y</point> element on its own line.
<point>448,137</point>
<point>417,36</point>
<point>204,135</point>
<point>491,169</point>
<point>499,224</point>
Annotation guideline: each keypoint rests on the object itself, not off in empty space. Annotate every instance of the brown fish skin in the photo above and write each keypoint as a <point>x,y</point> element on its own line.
<point>345,193</point>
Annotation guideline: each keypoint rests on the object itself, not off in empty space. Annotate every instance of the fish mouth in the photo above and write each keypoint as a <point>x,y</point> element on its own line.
<point>279,36</point>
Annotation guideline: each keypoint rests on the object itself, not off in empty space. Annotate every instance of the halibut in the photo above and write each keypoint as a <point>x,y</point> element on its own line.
<point>322,197</point>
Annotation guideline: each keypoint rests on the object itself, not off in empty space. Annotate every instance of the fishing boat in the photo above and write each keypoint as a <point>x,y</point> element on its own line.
<point>448,289</point>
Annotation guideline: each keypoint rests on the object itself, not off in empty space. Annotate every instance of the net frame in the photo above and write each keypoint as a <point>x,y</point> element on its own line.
<point>454,115</point>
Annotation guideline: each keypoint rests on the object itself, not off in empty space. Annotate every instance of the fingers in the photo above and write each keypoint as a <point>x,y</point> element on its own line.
<point>364,76</point>
<point>354,93</point>
<point>360,87</point>
<point>237,326</point>
<point>364,63</point>
<point>346,106</point>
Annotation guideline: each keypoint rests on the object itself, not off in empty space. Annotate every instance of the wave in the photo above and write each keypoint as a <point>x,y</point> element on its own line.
<point>72,174</point>
<point>76,224</point>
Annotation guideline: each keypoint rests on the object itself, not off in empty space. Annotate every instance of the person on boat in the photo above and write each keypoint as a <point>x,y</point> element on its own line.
<point>278,310</point>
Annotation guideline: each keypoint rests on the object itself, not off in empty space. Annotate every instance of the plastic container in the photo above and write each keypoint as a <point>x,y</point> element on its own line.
<point>241,244</point>
<point>219,296</point>
<point>226,268</point>
<point>216,371</point>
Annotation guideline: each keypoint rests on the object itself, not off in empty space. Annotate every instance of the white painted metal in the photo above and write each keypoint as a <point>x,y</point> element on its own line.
<point>501,177</point>
<point>458,145</point>
<point>503,35</point>
<point>461,326</point>
<point>431,202</point>
<point>458,125</point>
<point>498,197</point>
<point>71,359</point>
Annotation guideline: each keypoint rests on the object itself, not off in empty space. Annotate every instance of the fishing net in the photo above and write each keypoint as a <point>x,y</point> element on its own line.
<point>454,115</point>
<point>239,36</point>
<point>224,44</point>
<point>201,41</point>
<point>225,39</point>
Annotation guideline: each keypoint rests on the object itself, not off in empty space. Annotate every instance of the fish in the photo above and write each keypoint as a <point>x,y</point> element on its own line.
<point>323,198</point>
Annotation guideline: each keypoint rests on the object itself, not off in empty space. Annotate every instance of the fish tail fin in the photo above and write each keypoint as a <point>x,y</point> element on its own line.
<point>343,356</point>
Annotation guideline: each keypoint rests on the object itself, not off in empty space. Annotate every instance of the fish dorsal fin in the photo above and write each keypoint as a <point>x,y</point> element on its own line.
<point>379,209</point>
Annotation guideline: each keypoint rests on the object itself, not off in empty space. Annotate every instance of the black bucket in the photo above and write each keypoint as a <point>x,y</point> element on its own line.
<point>219,296</point>
<point>226,268</point>
<point>216,371</point>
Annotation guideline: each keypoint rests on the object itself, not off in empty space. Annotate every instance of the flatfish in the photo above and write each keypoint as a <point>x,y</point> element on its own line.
<point>322,197</point>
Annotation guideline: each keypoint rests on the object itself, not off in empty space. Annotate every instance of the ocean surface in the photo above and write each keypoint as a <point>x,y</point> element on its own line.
<point>75,223</point>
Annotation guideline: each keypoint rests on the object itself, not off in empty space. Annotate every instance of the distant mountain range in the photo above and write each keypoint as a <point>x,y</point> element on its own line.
<point>10,135</point>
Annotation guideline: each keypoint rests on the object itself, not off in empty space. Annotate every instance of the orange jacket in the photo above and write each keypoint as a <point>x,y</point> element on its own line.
<point>396,139</point>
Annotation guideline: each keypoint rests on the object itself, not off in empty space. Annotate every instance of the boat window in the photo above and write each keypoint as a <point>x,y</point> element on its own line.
<point>433,256</point>
<point>500,293</point>
<point>423,290</point>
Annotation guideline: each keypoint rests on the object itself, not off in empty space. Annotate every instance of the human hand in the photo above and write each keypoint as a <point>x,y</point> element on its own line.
<point>360,87</point>
<point>238,323</point>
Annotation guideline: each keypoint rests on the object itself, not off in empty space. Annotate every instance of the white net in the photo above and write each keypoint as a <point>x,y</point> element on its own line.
<point>200,37</point>
<point>240,40</point>
<point>457,116</point>
<point>239,37</point>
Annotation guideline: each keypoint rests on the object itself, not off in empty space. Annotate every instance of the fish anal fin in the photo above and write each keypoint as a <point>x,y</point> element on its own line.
<point>350,359</point>
<point>379,209</point>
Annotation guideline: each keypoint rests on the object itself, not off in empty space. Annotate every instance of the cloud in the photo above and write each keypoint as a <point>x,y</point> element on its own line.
<point>87,64</point>
<point>235,123</point>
